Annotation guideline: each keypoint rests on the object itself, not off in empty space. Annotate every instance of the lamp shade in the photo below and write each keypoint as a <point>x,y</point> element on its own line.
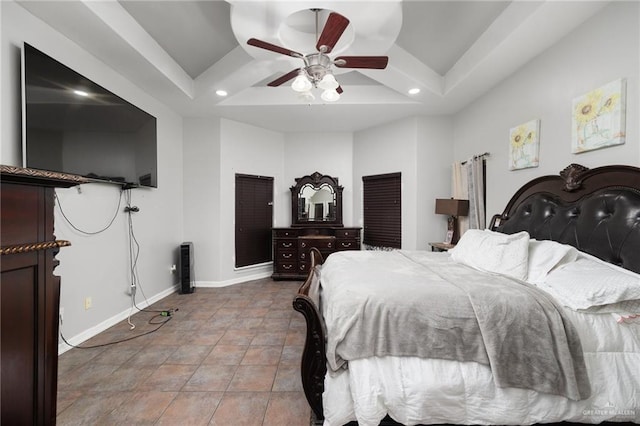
<point>330,96</point>
<point>301,83</point>
<point>328,82</point>
<point>452,207</point>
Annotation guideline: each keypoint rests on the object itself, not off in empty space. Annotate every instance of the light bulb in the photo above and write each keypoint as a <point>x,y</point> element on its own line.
<point>306,96</point>
<point>330,96</point>
<point>328,82</point>
<point>301,83</point>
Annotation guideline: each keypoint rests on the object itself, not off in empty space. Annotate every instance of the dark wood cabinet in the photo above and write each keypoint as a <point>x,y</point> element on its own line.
<point>29,295</point>
<point>291,247</point>
<point>316,222</point>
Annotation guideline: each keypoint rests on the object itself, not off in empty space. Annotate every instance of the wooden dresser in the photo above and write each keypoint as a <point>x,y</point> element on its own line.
<point>291,248</point>
<point>29,295</point>
<point>316,221</point>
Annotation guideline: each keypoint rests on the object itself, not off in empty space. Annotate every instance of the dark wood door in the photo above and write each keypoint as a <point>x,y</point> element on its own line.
<point>254,219</point>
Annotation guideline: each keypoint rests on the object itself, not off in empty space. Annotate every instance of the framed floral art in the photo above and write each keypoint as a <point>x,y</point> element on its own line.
<point>524,145</point>
<point>598,118</point>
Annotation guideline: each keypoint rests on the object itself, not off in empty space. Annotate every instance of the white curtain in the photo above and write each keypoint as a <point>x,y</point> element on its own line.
<point>475,185</point>
<point>468,184</point>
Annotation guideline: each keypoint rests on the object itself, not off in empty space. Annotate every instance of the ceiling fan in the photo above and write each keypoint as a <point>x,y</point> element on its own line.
<point>316,71</point>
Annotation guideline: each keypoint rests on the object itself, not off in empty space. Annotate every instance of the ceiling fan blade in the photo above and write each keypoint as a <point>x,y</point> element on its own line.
<point>374,62</point>
<point>272,47</point>
<point>288,76</point>
<point>333,29</point>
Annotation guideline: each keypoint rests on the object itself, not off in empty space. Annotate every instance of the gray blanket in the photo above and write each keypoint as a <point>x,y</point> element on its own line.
<point>425,305</point>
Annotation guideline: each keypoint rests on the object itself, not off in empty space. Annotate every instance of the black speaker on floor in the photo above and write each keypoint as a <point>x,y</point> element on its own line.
<point>187,278</point>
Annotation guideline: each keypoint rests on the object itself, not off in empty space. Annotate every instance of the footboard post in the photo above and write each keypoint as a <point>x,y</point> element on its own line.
<point>314,360</point>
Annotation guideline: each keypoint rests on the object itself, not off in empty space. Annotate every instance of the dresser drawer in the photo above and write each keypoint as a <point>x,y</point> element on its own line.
<point>348,233</point>
<point>348,244</point>
<point>285,233</point>
<point>285,266</point>
<point>285,244</point>
<point>305,255</point>
<point>326,243</point>
<point>285,255</point>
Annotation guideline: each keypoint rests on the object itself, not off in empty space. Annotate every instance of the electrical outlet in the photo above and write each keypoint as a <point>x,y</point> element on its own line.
<point>87,303</point>
<point>173,269</point>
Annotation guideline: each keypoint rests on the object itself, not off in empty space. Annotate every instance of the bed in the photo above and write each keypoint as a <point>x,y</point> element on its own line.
<point>357,366</point>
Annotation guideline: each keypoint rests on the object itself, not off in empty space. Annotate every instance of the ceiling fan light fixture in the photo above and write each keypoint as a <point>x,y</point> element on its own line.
<point>301,83</point>
<point>306,96</point>
<point>328,82</point>
<point>330,95</point>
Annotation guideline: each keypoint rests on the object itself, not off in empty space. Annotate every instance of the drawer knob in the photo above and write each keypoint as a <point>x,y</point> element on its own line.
<point>287,255</point>
<point>304,244</point>
<point>303,255</point>
<point>286,266</point>
<point>346,244</point>
<point>329,245</point>
<point>287,245</point>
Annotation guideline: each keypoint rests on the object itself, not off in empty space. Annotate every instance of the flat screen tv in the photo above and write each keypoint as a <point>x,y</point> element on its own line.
<point>72,125</point>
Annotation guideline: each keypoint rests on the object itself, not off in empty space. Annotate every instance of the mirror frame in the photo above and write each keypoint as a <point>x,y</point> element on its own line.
<point>316,180</point>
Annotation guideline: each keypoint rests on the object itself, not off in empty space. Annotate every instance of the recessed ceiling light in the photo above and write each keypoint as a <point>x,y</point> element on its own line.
<point>221,92</point>
<point>414,91</point>
<point>80,93</point>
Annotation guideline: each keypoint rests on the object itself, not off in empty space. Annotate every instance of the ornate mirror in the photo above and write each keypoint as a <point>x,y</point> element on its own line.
<point>316,200</point>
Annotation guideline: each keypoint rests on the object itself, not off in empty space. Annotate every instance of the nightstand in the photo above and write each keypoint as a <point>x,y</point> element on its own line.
<point>441,246</point>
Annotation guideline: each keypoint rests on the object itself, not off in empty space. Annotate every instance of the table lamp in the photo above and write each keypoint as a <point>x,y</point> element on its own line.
<point>452,208</point>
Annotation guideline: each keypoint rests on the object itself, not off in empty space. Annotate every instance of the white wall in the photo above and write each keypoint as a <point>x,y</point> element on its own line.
<point>327,153</point>
<point>98,266</point>
<point>420,149</point>
<point>214,151</point>
<point>603,49</point>
<point>434,156</point>
<point>251,150</point>
<point>201,165</point>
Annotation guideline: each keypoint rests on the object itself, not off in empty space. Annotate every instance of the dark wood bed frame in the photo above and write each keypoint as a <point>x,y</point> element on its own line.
<point>595,210</point>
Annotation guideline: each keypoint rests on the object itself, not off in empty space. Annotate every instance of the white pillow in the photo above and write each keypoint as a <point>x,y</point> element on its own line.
<point>495,252</point>
<point>544,255</point>
<point>590,282</point>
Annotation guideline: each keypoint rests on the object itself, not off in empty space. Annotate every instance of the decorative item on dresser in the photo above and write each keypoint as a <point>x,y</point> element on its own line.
<point>29,295</point>
<point>316,222</point>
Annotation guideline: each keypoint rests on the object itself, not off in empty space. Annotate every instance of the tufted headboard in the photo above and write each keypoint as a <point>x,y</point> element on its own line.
<point>595,210</point>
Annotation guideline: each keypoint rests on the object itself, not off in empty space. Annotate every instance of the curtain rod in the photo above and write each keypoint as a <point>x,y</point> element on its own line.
<point>486,154</point>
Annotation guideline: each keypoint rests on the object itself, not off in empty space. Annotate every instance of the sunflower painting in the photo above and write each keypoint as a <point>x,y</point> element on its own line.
<point>599,118</point>
<point>524,145</point>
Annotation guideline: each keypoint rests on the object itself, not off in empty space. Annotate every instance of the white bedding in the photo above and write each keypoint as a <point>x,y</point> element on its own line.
<point>414,390</point>
<point>420,391</point>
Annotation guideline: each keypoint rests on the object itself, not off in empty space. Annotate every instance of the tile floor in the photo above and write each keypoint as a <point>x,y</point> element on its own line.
<point>228,356</point>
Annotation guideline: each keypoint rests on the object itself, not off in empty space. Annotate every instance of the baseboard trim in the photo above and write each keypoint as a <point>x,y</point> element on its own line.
<point>110,322</point>
<point>226,283</point>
